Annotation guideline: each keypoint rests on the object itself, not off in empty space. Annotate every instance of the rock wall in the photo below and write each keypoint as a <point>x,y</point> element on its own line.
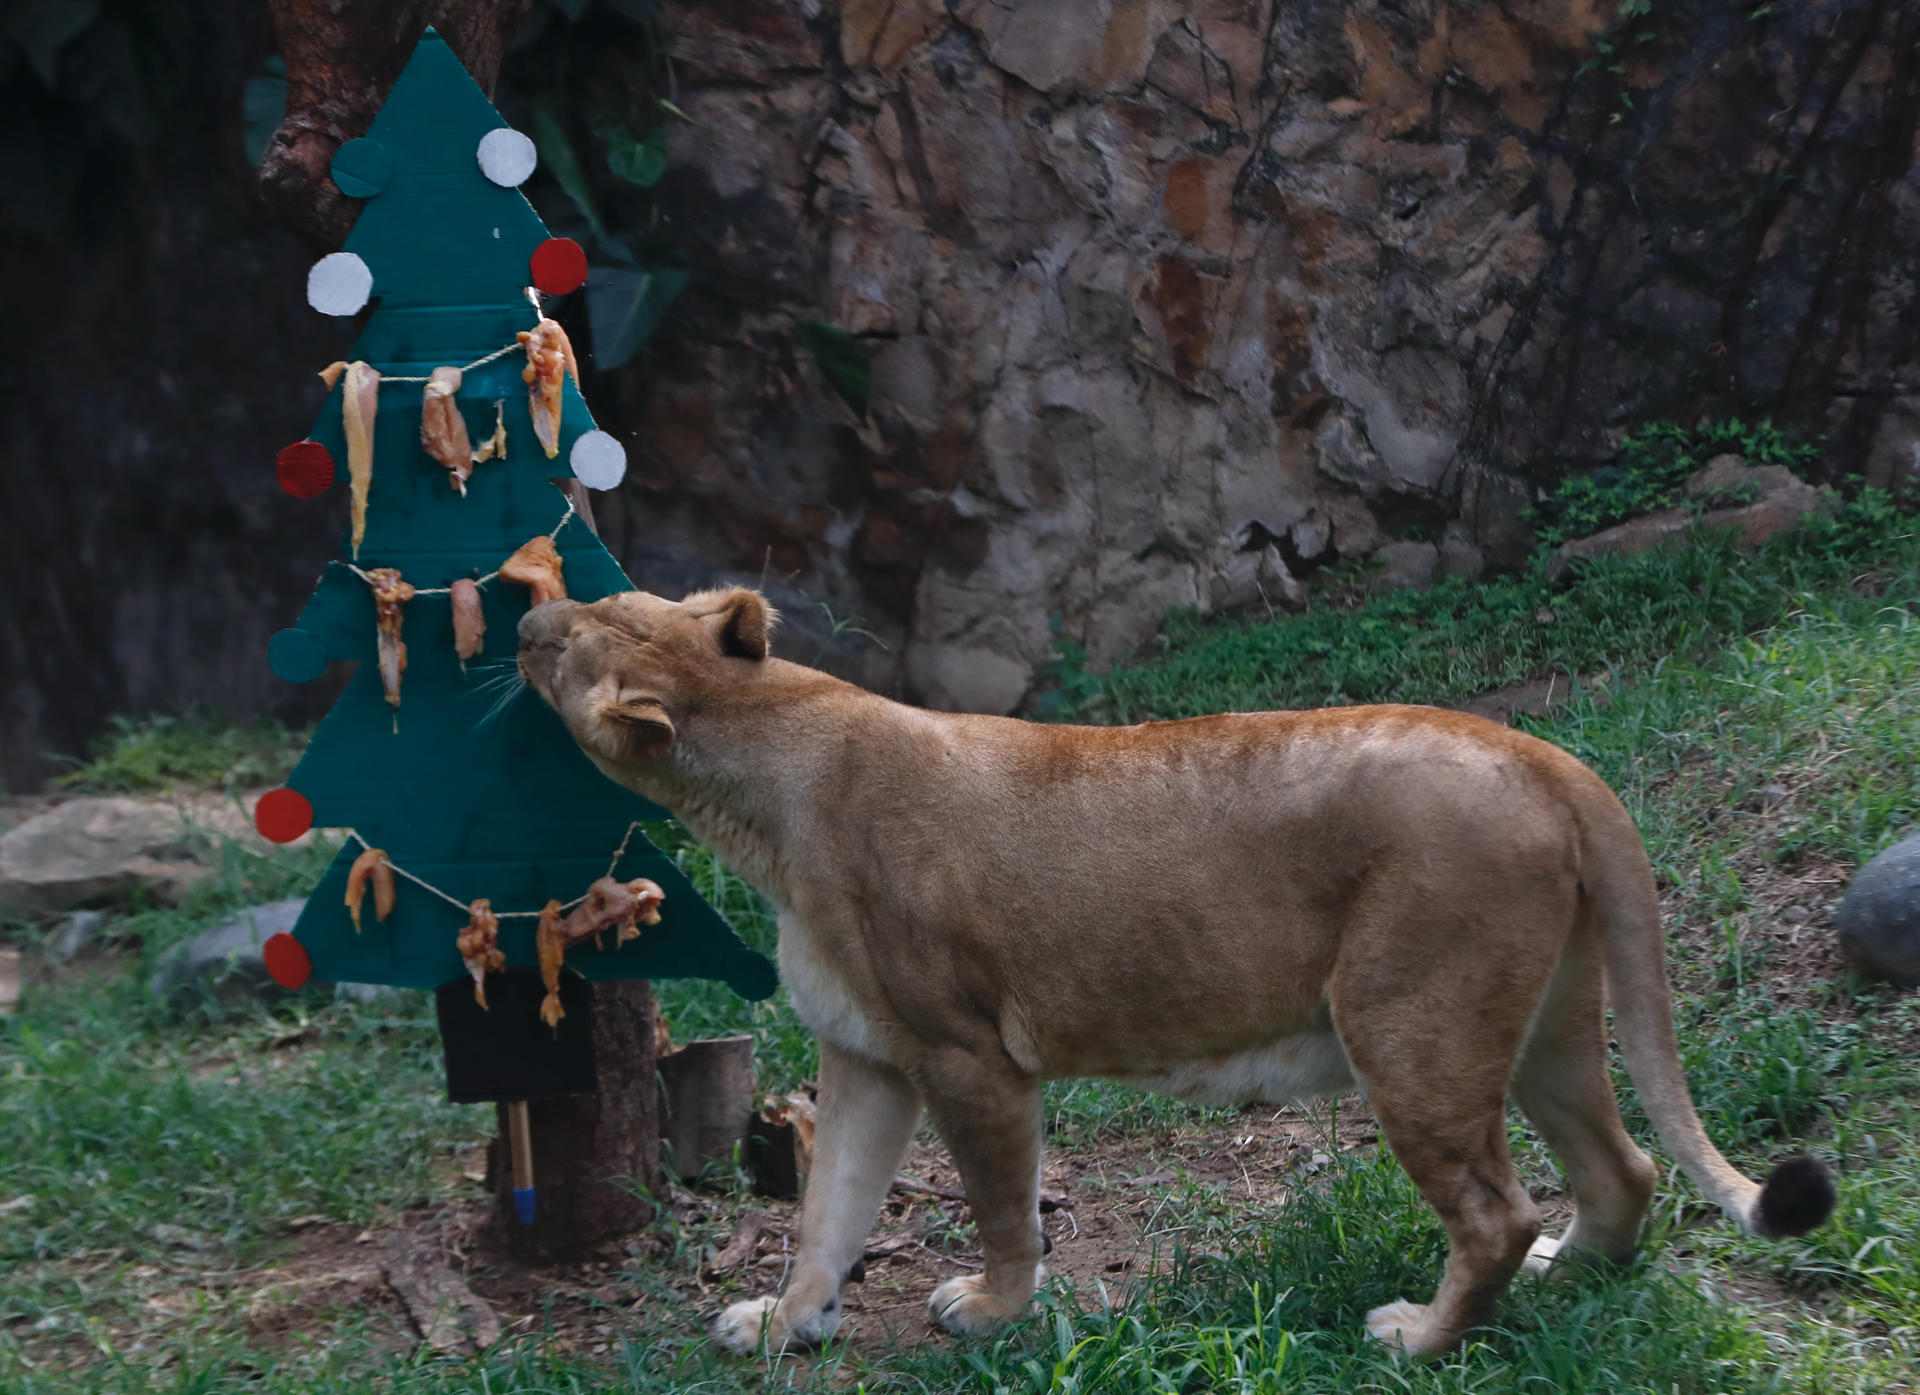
<point>1169,304</point>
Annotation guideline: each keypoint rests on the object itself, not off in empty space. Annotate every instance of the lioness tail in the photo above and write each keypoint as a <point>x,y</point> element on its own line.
<point>1798,1195</point>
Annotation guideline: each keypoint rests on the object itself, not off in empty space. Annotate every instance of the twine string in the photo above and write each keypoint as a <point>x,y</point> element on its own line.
<point>554,536</point>
<point>465,906</point>
<point>532,295</point>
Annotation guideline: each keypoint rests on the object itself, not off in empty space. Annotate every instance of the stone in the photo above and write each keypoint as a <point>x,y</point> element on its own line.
<point>98,852</point>
<point>1404,566</point>
<point>1879,918</point>
<point>963,678</point>
<point>224,963</point>
<point>77,932</point>
<point>1782,501</point>
<point>1460,559</point>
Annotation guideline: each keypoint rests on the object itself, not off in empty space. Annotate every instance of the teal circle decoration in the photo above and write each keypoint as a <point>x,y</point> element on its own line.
<point>296,656</point>
<point>361,168</point>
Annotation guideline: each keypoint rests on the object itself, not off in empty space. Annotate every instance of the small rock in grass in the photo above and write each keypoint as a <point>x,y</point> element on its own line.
<point>1879,920</point>
<point>98,852</point>
<point>225,962</point>
<point>75,935</point>
<point>1405,566</point>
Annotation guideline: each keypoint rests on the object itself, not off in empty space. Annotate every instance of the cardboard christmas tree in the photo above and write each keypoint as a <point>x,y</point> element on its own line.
<point>468,787</point>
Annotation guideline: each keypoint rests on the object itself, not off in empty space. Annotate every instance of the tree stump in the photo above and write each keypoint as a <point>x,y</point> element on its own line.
<point>596,1158</point>
<point>708,1090</point>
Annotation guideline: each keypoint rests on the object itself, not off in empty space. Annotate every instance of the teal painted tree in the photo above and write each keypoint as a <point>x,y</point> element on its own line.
<point>467,796</point>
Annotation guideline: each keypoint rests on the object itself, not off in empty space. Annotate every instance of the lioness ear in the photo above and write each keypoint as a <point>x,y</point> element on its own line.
<point>747,624</point>
<point>648,729</point>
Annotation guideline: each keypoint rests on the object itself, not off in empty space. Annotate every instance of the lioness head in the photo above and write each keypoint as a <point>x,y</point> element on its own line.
<point>625,672</point>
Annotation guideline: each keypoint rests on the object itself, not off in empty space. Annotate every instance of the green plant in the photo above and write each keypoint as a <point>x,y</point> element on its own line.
<point>1654,462</point>
<point>139,755</point>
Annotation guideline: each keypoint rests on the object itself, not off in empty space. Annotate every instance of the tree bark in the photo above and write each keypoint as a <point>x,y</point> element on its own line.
<point>596,1158</point>
<point>342,59</point>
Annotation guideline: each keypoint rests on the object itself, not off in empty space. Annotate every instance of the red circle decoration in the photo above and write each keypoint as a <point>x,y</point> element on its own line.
<point>304,468</point>
<point>558,266</point>
<point>286,959</point>
<point>282,815</point>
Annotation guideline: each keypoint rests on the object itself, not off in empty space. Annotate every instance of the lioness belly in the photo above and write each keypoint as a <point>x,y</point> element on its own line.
<point>1304,1066</point>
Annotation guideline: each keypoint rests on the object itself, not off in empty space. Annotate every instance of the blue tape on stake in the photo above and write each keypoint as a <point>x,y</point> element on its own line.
<point>523,1204</point>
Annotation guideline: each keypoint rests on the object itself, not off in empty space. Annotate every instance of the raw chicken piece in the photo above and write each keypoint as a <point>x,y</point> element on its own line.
<point>389,594</point>
<point>331,373</point>
<point>536,564</point>
<point>358,406</point>
<point>469,622</point>
<point>495,446</point>
<point>443,431</point>
<point>609,905</point>
<point>549,360</point>
<point>614,905</point>
<point>479,947</point>
<point>550,941</point>
<point>371,864</point>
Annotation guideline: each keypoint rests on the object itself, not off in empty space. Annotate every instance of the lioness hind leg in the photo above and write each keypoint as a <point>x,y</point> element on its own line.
<point>1563,1085</point>
<point>1453,1144</point>
<point>1432,1040</point>
<point>988,1114</point>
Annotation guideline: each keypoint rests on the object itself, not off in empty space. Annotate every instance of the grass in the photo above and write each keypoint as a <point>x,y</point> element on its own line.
<point>1762,730</point>
<point>1621,615</point>
<point>151,754</point>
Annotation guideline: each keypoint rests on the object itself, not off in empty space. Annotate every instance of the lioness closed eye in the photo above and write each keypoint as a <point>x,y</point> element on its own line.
<point>1259,906</point>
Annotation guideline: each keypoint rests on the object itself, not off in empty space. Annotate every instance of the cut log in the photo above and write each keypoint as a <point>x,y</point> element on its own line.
<point>449,1316</point>
<point>780,1145</point>
<point>707,1091</point>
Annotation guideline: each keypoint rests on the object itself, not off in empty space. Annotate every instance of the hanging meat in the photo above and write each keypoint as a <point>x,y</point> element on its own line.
<point>549,360</point>
<point>370,866</point>
<point>621,907</point>
<point>536,565</point>
<point>495,446</point>
<point>358,405</point>
<point>550,941</point>
<point>479,947</point>
<point>331,373</point>
<point>389,594</point>
<point>443,431</point>
<point>469,621</point>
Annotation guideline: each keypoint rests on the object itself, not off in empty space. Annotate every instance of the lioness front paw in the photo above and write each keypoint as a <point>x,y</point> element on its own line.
<point>742,1327</point>
<point>966,1305</point>
<point>1402,1325</point>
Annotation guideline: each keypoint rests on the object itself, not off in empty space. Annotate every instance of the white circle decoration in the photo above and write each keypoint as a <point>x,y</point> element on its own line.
<point>507,157</point>
<point>339,284</point>
<point>598,461</point>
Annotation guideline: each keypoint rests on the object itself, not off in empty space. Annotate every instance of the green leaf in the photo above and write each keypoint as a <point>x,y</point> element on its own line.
<point>625,306</point>
<point>263,106</point>
<point>556,153</point>
<point>843,357</point>
<point>638,162</point>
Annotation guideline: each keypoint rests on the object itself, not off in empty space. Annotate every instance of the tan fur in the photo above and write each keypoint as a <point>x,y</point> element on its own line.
<point>1283,902</point>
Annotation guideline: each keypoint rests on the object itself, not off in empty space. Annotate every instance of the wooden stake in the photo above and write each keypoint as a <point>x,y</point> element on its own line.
<point>520,1144</point>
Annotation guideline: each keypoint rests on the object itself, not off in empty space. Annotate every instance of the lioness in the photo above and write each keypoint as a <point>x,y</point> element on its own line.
<point>1258,906</point>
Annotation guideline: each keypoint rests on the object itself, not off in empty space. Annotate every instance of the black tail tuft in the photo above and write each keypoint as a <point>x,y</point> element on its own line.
<point>1798,1196</point>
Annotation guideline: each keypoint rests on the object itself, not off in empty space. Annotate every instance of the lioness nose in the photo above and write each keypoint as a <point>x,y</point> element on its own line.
<point>549,621</point>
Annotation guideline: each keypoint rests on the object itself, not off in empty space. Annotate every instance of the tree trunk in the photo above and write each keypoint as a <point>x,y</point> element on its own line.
<point>342,59</point>
<point>596,1158</point>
